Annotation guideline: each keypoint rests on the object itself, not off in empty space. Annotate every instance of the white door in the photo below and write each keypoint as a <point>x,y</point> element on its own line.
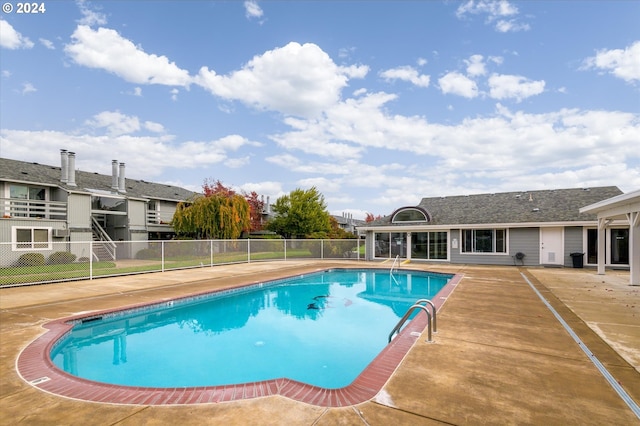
<point>551,246</point>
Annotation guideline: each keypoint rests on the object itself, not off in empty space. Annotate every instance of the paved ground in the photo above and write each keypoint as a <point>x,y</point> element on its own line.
<point>500,356</point>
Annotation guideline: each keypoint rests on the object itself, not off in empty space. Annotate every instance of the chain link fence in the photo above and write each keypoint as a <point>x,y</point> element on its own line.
<point>64,261</point>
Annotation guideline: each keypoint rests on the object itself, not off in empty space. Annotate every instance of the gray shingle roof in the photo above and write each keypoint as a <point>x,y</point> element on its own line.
<point>35,173</point>
<point>558,205</point>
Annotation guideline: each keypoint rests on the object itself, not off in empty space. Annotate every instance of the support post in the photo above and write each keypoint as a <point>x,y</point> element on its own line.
<point>634,248</point>
<point>602,223</point>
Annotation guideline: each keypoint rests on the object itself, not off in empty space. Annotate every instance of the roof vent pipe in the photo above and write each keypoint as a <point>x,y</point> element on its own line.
<point>72,169</point>
<point>121,180</point>
<point>114,174</point>
<point>64,166</point>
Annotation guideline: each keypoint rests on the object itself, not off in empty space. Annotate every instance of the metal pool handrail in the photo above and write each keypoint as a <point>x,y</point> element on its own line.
<point>400,323</point>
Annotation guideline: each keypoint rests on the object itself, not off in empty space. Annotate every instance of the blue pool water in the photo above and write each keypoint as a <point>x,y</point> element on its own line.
<point>322,329</point>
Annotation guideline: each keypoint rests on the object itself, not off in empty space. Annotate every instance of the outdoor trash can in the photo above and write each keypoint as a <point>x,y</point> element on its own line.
<point>578,259</point>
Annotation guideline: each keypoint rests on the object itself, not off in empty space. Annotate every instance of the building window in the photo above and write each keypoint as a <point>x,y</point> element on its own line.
<point>381,248</point>
<point>410,214</point>
<point>31,238</point>
<point>390,244</point>
<point>429,245</point>
<point>620,246</point>
<point>484,241</point>
<point>109,204</point>
<point>30,207</point>
<point>592,246</point>
<point>616,250</point>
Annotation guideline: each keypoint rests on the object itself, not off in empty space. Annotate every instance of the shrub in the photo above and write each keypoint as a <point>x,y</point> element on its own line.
<point>83,259</point>
<point>61,257</point>
<point>148,254</point>
<point>31,259</point>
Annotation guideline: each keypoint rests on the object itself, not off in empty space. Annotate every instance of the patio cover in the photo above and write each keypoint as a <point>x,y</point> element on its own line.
<point>622,207</point>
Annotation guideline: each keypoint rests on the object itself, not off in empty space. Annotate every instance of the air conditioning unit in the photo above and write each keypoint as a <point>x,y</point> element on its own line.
<point>60,233</point>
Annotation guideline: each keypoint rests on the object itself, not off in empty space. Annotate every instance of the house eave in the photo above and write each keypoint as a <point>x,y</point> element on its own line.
<point>400,228</point>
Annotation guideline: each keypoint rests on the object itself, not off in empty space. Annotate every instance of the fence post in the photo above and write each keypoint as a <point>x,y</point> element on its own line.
<point>322,249</point>
<point>90,260</point>
<point>211,252</point>
<point>162,255</point>
<point>248,250</point>
<point>285,249</point>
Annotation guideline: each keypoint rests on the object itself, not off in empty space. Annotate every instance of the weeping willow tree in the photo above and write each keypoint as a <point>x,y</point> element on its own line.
<point>216,216</point>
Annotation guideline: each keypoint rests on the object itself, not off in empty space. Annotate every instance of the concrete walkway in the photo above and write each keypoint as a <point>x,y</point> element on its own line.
<point>500,356</point>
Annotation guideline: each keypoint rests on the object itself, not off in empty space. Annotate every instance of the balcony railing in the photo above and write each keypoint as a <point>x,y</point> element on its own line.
<point>158,218</point>
<point>34,209</point>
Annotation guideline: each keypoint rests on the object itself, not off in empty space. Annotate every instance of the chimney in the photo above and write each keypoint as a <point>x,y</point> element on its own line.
<point>64,166</point>
<point>72,169</point>
<point>114,175</point>
<point>121,181</point>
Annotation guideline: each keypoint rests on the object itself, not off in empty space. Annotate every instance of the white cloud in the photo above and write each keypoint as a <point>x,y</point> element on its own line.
<point>12,39</point>
<point>511,25</point>
<point>323,184</point>
<point>458,84</point>
<point>345,52</point>
<point>6,73</point>
<point>28,88</point>
<point>499,151</point>
<point>115,123</point>
<point>146,156</point>
<point>287,160</point>
<point>90,17</point>
<point>236,163</point>
<point>299,80</point>
<point>496,150</point>
<point>47,43</point>
<point>493,8</point>
<point>498,60</point>
<point>406,73</point>
<point>234,142</point>
<point>499,13</point>
<point>622,63</point>
<point>154,127</point>
<point>265,187</point>
<point>514,87</point>
<point>106,49</point>
<point>252,9</point>
<point>475,65</point>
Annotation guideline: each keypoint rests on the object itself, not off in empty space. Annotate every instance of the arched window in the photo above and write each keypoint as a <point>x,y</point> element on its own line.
<point>410,214</point>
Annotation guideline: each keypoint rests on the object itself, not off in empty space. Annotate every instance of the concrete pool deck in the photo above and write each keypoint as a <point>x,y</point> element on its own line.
<point>500,356</point>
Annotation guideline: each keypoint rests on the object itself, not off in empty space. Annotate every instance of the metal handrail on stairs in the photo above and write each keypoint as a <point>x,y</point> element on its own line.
<point>103,240</point>
<point>418,305</point>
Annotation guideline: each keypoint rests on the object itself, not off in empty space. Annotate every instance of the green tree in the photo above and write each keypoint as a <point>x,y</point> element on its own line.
<point>301,214</point>
<point>217,216</point>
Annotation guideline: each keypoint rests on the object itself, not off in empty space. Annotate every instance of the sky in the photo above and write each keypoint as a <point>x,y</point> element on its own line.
<point>375,103</point>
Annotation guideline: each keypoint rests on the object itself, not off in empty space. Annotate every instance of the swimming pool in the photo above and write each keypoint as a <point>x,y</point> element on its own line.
<point>321,329</point>
<point>34,364</point>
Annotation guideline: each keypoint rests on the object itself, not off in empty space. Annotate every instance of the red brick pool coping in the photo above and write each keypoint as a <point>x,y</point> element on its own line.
<point>36,368</point>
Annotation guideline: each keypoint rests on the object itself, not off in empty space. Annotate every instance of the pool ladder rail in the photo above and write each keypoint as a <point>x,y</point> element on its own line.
<point>419,304</point>
<point>395,263</point>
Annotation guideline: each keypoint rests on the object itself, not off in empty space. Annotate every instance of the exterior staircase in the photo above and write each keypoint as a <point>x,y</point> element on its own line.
<point>104,249</point>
